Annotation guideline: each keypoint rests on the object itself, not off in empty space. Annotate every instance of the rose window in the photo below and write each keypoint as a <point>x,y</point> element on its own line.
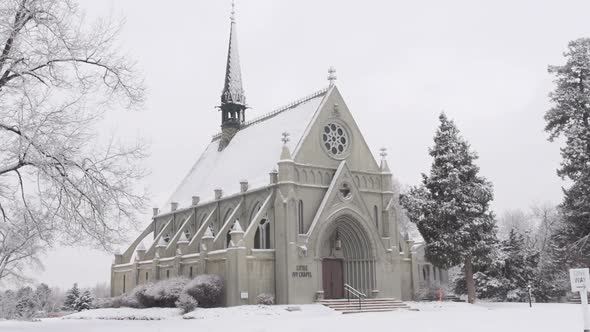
<point>335,139</point>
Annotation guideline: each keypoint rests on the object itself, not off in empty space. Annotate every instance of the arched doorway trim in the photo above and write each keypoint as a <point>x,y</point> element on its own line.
<point>346,238</point>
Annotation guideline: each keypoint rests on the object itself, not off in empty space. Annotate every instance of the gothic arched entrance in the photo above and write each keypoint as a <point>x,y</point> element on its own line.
<point>347,258</point>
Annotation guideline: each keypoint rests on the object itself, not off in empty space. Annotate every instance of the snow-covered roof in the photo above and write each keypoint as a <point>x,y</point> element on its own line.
<point>251,155</point>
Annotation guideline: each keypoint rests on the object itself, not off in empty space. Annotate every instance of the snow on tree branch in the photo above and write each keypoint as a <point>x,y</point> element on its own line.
<point>60,181</point>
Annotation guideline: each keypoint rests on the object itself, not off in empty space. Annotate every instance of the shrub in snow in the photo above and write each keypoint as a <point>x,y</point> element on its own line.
<point>207,289</point>
<point>265,299</point>
<point>186,303</point>
<point>163,293</point>
<point>124,300</point>
<point>84,302</point>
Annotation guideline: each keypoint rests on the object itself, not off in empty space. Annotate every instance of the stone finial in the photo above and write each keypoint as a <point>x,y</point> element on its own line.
<point>332,76</point>
<point>161,247</point>
<point>182,244</point>
<point>218,193</point>
<point>140,252</point>
<point>274,176</point>
<point>237,235</point>
<point>155,211</point>
<point>182,238</point>
<point>195,200</point>
<point>383,152</point>
<point>208,233</point>
<point>140,247</point>
<point>207,239</point>
<point>161,242</point>
<point>237,228</point>
<point>243,186</point>
<point>173,206</point>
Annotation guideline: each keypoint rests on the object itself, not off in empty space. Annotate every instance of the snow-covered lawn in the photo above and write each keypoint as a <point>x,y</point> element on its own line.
<point>451,317</point>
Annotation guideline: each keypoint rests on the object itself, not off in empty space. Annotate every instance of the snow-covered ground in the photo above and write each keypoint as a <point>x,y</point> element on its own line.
<point>451,317</point>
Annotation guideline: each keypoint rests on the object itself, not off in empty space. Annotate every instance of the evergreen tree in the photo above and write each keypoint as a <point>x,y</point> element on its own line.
<point>42,296</point>
<point>569,117</point>
<point>8,305</point>
<point>72,296</point>
<point>25,304</point>
<point>84,302</point>
<point>451,207</point>
<point>511,267</point>
<point>519,266</point>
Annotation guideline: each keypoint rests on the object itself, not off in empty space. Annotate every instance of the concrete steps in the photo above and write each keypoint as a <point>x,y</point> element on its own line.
<point>367,305</point>
<point>575,299</point>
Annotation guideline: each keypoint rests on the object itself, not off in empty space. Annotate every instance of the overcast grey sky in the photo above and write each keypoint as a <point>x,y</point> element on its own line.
<point>399,64</point>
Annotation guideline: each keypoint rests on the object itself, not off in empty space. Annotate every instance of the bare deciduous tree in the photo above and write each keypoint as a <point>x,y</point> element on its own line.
<point>59,180</point>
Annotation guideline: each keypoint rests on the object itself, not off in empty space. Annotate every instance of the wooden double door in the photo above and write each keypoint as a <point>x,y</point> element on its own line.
<point>333,278</point>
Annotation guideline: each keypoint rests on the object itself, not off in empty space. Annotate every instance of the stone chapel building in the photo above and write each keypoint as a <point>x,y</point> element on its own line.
<point>292,203</point>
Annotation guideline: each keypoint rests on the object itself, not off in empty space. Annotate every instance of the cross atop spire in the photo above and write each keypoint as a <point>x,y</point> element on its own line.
<point>332,76</point>
<point>285,138</point>
<point>233,11</point>
<point>383,153</point>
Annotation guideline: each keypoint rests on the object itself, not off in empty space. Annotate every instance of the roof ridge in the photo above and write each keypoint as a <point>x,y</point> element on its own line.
<point>279,110</point>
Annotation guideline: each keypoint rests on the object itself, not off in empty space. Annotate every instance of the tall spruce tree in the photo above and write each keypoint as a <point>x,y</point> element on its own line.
<point>72,296</point>
<point>451,207</point>
<point>569,118</point>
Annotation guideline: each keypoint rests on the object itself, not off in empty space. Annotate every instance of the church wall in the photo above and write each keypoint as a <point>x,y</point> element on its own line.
<point>305,276</point>
<point>406,280</point>
<point>311,151</point>
<point>312,198</point>
<point>216,264</point>
<point>261,274</point>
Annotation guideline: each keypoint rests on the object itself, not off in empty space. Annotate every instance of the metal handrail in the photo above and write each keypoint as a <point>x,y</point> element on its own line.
<point>351,290</point>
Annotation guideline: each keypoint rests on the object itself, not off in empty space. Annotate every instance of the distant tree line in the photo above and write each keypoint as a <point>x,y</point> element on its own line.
<point>27,303</point>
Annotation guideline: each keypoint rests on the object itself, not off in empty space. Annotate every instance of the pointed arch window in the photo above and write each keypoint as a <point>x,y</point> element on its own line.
<point>262,235</point>
<point>376,216</point>
<point>300,224</point>
<point>227,235</point>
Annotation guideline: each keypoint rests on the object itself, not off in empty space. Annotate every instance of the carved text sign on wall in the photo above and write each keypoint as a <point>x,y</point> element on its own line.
<point>301,272</point>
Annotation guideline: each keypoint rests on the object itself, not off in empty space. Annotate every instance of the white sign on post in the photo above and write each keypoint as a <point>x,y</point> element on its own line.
<point>580,280</point>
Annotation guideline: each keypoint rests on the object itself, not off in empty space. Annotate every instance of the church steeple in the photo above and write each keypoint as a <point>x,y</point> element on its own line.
<point>233,98</point>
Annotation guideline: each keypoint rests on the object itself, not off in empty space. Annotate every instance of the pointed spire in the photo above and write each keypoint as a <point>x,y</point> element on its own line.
<point>233,92</point>
<point>233,99</point>
<point>140,247</point>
